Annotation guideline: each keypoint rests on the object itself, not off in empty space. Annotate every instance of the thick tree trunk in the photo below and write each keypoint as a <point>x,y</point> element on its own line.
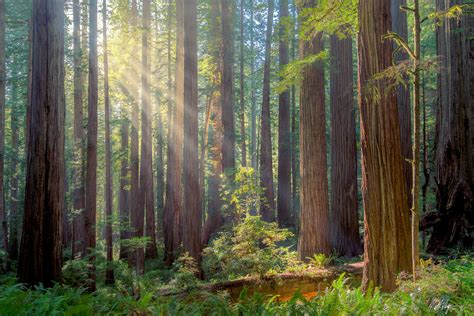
<point>3,217</point>
<point>78,246</point>
<point>242,88</point>
<point>227,88</point>
<point>387,222</point>
<point>267,208</point>
<point>284,133</point>
<point>453,147</point>
<point>344,203</point>
<point>400,26</point>
<point>147,199</point>
<point>192,217</point>
<point>172,211</point>
<point>41,243</point>
<point>109,273</point>
<point>294,135</point>
<point>91,176</point>
<point>314,235</point>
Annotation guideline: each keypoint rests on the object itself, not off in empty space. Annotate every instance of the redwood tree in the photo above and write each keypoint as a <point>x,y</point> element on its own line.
<point>344,203</point>
<point>91,176</point>
<point>227,88</point>
<point>78,246</point>
<point>173,203</point>
<point>147,199</point>
<point>267,207</point>
<point>314,215</point>
<point>192,216</point>
<point>453,140</point>
<point>284,133</point>
<point>109,274</point>
<point>41,243</point>
<point>386,217</point>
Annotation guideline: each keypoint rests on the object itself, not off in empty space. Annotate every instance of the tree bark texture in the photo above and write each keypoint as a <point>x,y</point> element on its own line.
<point>267,207</point>
<point>386,217</point>
<point>345,219</point>
<point>314,234</point>
<point>41,243</point>
<point>3,217</point>
<point>227,87</point>
<point>78,246</point>
<point>173,203</point>
<point>192,217</point>
<point>242,88</point>
<point>453,142</point>
<point>284,131</point>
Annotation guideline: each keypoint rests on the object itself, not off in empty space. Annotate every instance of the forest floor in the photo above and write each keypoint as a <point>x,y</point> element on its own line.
<point>444,288</point>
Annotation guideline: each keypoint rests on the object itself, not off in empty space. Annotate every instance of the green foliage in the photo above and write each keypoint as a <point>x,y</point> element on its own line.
<point>446,289</point>
<point>250,247</point>
<point>187,271</point>
<point>320,260</point>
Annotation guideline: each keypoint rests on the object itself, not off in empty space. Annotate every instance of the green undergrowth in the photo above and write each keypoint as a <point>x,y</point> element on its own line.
<point>446,288</point>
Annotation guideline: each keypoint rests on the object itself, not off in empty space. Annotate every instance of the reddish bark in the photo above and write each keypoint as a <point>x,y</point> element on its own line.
<point>267,207</point>
<point>41,243</point>
<point>386,217</point>
<point>344,203</point>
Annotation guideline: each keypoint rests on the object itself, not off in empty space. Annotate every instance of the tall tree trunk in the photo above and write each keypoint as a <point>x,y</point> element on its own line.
<point>147,199</point>
<point>41,243</point>
<point>386,216</point>
<point>294,133</point>
<point>192,217</point>
<point>400,26</point>
<point>3,217</point>
<point>124,183</point>
<point>267,208</point>
<point>91,177</point>
<point>227,88</point>
<point>109,273</point>
<point>284,133</point>
<point>78,246</point>
<point>214,218</point>
<point>172,211</point>
<point>344,203</point>
<point>137,257</point>
<point>453,147</point>
<point>242,88</point>
<point>314,235</point>
<point>13,239</point>
<point>253,142</point>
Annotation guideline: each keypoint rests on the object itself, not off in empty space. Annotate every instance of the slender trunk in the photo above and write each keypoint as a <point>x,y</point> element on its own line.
<point>284,133</point>
<point>78,246</point>
<point>253,143</point>
<point>91,177</point>
<point>267,208</point>
<point>147,199</point>
<point>109,273</point>
<point>314,235</point>
<point>3,217</point>
<point>227,88</point>
<point>13,238</point>
<point>242,85</point>
<point>294,134</point>
<point>415,190</point>
<point>136,257</point>
<point>344,203</point>
<point>124,183</point>
<point>386,217</point>
<point>426,172</point>
<point>192,217</point>
<point>172,211</point>
<point>41,243</point>
<point>453,147</point>
<point>214,218</point>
